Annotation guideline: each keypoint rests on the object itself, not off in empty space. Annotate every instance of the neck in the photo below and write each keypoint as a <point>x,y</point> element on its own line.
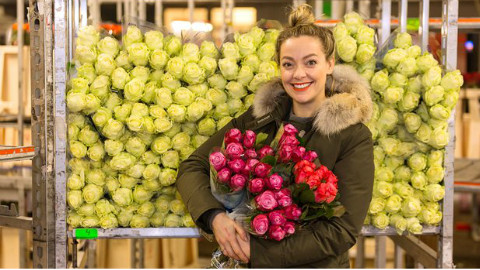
<point>307,109</point>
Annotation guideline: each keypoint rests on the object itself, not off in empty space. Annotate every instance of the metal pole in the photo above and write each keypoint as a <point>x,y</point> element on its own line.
<point>399,257</point>
<point>159,13</point>
<point>364,8</point>
<point>83,13</point>
<point>337,9</point>
<point>223,31</point>
<point>191,9</point>
<point>449,60</point>
<point>380,251</point>
<point>423,29</point>
<point>386,17</point>
<point>360,258</point>
<point>348,6</point>
<point>134,10</point>
<point>318,9</point>
<point>142,12</point>
<point>402,10</point>
<point>119,11</point>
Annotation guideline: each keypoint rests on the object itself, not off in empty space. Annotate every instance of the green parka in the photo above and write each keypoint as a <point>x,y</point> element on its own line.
<point>343,143</point>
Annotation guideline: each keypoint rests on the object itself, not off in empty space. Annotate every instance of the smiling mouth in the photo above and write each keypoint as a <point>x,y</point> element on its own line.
<point>301,86</point>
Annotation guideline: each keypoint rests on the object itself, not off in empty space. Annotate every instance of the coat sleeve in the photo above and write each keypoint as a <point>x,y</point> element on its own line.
<point>326,238</point>
<point>193,180</point>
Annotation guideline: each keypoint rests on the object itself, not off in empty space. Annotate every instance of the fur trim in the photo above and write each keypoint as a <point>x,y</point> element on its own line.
<point>350,103</point>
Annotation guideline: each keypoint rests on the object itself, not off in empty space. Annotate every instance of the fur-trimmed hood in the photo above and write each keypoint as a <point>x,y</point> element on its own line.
<point>350,103</point>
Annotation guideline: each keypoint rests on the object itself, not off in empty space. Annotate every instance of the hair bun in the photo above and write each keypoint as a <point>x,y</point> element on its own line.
<point>302,14</point>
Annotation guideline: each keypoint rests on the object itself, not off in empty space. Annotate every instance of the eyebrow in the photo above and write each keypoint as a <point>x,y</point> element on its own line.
<point>291,58</point>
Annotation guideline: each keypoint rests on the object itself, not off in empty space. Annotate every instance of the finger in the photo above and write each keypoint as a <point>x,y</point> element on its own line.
<point>238,250</point>
<point>241,232</point>
<point>229,252</point>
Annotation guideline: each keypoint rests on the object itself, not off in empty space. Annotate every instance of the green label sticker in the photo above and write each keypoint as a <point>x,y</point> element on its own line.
<point>86,233</point>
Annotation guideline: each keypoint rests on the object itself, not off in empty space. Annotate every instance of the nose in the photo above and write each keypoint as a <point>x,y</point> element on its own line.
<point>299,73</point>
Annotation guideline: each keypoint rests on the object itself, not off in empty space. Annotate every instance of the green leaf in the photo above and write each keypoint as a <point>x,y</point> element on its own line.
<point>261,138</point>
<point>277,137</point>
<point>338,211</point>
<point>307,196</point>
<point>301,140</point>
<point>270,160</point>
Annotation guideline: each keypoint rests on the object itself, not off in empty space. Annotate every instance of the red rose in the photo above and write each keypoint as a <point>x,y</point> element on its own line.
<point>237,182</point>
<point>265,151</point>
<point>290,140</point>
<point>322,172</point>
<point>236,165</point>
<point>218,160</point>
<point>249,165</point>
<point>274,182</point>
<point>310,156</point>
<point>277,218</point>
<point>285,201</point>
<point>326,192</point>
<point>262,169</point>
<point>285,153</point>
<point>292,212</point>
<point>289,129</point>
<point>224,175</point>
<point>251,153</point>
<point>266,201</point>
<point>234,150</point>
<point>298,153</point>
<point>256,185</point>
<point>303,165</point>
<point>313,181</point>
<point>260,224</point>
<point>284,192</point>
<point>289,227</point>
<point>249,139</point>
<point>233,135</point>
<point>332,178</point>
<point>276,232</point>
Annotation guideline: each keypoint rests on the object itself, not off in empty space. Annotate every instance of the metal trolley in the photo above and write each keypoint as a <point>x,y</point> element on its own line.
<point>53,24</point>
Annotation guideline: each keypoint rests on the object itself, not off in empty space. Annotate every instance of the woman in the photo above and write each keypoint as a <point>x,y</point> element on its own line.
<point>330,104</point>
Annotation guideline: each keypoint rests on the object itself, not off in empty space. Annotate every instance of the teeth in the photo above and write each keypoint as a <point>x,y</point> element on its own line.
<point>301,85</point>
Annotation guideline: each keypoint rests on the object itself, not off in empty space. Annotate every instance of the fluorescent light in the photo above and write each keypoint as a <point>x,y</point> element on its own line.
<point>179,26</point>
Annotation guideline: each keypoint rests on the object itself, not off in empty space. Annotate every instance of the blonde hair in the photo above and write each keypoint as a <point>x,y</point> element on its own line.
<point>302,23</point>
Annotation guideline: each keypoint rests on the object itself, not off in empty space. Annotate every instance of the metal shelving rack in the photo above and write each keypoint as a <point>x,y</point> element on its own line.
<point>53,24</point>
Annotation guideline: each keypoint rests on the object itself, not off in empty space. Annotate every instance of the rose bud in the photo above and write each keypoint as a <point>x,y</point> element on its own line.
<point>298,153</point>
<point>233,135</point>
<point>285,201</point>
<point>290,129</point>
<point>276,232</point>
<point>262,169</point>
<point>237,165</point>
<point>218,160</point>
<point>310,156</point>
<point>266,201</point>
<point>274,182</point>
<point>285,153</point>
<point>267,150</point>
<point>256,185</point>
<point>292,212</point>
<point>224,175</point>
<point>234,150</point>
<point>251,153</point>
<point>260,224</point>
<point>284,192</point>
<point>289,227</point>
<point>276,217</point>
<point>237,182</point>
<point>249,165</point>
<point>249,139</point>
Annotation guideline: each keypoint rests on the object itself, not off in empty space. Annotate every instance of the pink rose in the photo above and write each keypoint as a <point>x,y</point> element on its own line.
<point>234,150</point>
<point>290,140</point>
<point>237,182</point>
<point>289,129</point>
<point>331,178</point>
<point>298,153</point>
<point>256,185</point>
<point>274,182</point>
<point>284,192</point>
<point>310,156</point>
<point>249,165</point>
<point>233,135</point>
<point>265,151</point>
<point>266,201</point>
<point>276,232</point>
<point>289,227</point>
<point>218,160</point>
<point>236,165</point>
<point>277,218</point>
<point>262,169</point>
<point>260,224</point>
<point>249,139</point>
<point>285,201</point>
<point>292,212</point>
<point>224,175</point>
<point>251,153</point>
<point>285,153</point>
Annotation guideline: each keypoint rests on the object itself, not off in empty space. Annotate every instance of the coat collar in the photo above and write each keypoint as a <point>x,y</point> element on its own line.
<point>349,104</point>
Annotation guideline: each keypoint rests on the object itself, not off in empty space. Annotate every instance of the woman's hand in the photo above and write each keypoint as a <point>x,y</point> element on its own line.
<point>244,245</point>
<point>226,230</point>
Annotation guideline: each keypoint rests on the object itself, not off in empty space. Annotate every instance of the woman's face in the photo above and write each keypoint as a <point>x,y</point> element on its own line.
<point>304,69</point>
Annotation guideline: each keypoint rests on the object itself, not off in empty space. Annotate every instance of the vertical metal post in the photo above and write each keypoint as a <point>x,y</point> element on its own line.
<point>126,11</point>
<point>403,14</point>
<point>318,9</point>
<point>134,9</point>
<point>191,9</point>
<point>348,6</point>
<point>57,132</point>
<point>386,23</point>
<point>223,31</point>
<point>423,29</point>
<point>142,10</point>
<point>380,251</point>
<point>83,13</point>
<point>449,60</point>
<point>364,8</point>
<point>158,12</point>
<point>230,7</point>
<point>399,257</point>
<point>360,258</point>
<point>119,11</point>
<point>337,9</point>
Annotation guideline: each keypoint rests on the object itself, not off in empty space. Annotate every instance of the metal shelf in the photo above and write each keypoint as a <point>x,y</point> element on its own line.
<point>373,231</point>
<point>15,153</point>
<point>132,233</point>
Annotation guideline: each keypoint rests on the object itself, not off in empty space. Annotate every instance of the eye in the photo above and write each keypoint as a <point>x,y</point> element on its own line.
<point>286,64</point>
<point>311,62</point>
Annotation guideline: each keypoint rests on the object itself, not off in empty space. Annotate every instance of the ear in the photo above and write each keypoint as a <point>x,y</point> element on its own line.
<point>330,65</point>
